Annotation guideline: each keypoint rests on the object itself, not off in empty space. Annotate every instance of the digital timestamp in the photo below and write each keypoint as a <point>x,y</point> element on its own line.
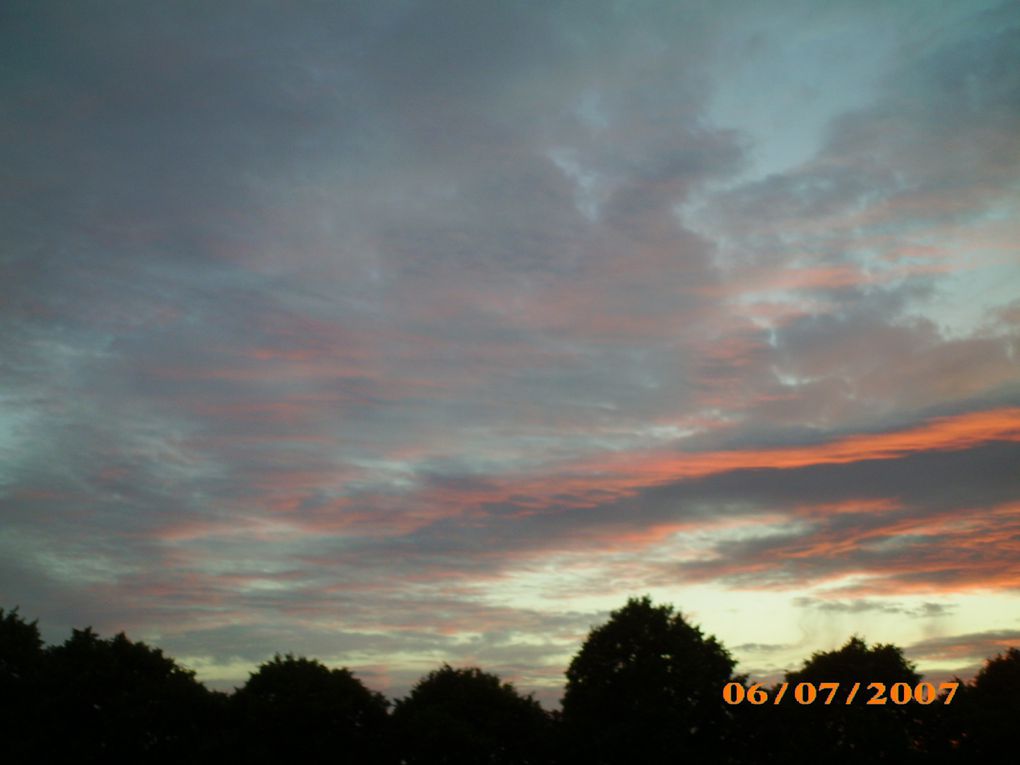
<point>825,693</point>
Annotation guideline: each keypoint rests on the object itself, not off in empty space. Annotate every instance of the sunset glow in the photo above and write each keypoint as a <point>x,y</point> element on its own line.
<point>396,333</point>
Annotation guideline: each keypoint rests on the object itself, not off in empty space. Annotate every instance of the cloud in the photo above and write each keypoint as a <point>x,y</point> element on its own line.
<point>857,606</point>
<point>332,326</point>
<point>974,646</point>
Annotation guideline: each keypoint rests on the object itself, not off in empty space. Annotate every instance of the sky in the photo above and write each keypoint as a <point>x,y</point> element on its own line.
<point>394,333</point>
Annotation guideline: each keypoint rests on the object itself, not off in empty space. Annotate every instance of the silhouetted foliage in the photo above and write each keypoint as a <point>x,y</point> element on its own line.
<point>838,732</point>
<point>21,665</point>
<point>116,699</point>
<point>21,646</point>
<point>469,717</point>
<point>298,710</point>
<point>647,687</point>
<point>989,711</point>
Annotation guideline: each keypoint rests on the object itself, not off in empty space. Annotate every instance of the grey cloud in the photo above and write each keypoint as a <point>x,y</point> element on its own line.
<point>925,610</point>
<point>975,645</point>
<point>286,290</point>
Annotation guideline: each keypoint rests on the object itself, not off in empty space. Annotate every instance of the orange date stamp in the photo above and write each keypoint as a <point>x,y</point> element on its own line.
<point>825,693</point>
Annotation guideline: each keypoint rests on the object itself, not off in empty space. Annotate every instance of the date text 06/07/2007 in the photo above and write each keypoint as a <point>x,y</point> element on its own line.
<point>825,693</point>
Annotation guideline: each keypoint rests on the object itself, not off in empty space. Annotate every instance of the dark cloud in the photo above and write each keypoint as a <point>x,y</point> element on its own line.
<point>861,605</point>
<point>971,646</point>
<point>330,326</point>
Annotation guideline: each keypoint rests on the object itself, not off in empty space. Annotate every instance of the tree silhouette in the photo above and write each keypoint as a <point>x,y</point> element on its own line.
<point>841,732</point>
<point>21,666</point>
<point>469,717</point>
<point>647,687</point>
<point>117,699</point>
<point>988,711</point>
<point>298,710</point>
<point>21,646</point>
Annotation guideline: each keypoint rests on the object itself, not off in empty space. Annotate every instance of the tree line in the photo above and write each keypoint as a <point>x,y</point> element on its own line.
<point>646,687</point>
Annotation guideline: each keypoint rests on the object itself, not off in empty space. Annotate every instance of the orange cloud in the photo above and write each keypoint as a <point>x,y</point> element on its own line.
<point>948,433</point>
<point>915,554</point>
<point>626,473</point>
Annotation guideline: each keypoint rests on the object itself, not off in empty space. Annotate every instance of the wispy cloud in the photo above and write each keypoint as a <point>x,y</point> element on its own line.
<point>402,332</point>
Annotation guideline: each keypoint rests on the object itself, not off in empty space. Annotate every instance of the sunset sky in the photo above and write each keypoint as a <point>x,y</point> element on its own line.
<point>394,333</point>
